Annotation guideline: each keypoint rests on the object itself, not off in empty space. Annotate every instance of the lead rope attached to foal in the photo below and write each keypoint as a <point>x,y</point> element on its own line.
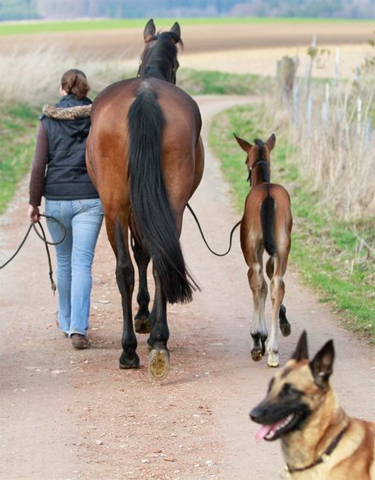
<point>204,239</point>
<point>43,237</point>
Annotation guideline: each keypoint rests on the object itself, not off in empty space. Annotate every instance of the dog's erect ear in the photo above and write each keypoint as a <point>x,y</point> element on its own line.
<point>321,365</point>
<point>243,144</point>
<point>149,30</point>
<point>302,352</point>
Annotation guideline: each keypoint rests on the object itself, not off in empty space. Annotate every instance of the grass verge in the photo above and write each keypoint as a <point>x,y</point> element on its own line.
<point>206,82</point>
<point>333,257</point>
<point>17,141</point>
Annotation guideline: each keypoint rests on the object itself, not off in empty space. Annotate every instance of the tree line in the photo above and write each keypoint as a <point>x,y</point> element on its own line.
<point>57,9</point>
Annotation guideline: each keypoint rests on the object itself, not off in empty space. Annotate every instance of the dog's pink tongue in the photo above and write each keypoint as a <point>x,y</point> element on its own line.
<point>262,432</point>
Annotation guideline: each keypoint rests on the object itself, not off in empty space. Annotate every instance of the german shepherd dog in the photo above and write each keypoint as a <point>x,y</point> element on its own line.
<point>319,440</point>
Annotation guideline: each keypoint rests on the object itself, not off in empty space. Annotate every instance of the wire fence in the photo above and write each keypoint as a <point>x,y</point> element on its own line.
<point>331,122</point>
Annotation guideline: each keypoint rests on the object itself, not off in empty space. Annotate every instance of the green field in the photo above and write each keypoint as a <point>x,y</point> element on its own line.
<point>39,27</point>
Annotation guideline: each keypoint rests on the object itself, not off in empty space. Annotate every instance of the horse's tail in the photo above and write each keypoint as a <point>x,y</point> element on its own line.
<point>149,201</point>
<point>267,214</point>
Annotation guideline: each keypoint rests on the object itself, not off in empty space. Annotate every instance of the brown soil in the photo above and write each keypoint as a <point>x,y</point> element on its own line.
<point>69,414</point>
<point>122,43</point>
<point>241,48</point>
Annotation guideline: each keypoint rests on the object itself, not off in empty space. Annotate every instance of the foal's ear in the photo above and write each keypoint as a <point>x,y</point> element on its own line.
<point>321,365</point>
<point>271,142</point>
<point>243,144</point>
<point>176,29</point>
<point>149,30</point>
<point>302,351</point>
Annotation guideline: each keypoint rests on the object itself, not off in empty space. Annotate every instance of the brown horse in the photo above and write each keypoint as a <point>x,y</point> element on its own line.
<point>266,225</point>
<point>145,156</point>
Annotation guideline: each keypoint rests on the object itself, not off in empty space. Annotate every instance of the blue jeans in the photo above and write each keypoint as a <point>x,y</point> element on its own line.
<point>82,220</point>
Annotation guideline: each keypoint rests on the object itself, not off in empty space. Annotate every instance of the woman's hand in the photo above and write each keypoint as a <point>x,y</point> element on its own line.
<point>34,213</point>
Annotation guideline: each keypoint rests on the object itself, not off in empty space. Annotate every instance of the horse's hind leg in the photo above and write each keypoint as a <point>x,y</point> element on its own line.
<point>258,329</point>
<point>277,295</point>
<point>142,323</point>
<point>125,282</point>
<point>285,327</point>
<point>158,359</point>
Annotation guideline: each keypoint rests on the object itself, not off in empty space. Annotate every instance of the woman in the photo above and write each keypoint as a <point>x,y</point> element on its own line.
<point>59,174</point>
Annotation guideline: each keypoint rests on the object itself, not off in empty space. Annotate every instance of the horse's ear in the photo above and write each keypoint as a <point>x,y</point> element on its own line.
<point>176,29</point>
<point>302,351</point>
<point>321,365</point>
<point>243,143</point>
<point>271,142</point>
<point>149,30</point>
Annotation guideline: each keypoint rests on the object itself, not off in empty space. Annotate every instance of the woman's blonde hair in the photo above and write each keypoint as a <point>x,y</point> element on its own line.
<point>75,82</point>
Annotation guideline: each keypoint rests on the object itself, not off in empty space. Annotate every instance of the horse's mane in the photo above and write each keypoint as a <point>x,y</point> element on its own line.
<point>262,161</point>
<point>158,58</point>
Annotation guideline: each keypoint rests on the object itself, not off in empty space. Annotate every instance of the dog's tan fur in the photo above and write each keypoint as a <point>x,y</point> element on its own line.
<point>353,458</point>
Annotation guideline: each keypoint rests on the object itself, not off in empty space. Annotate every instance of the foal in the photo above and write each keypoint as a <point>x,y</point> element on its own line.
<point>266,225</point>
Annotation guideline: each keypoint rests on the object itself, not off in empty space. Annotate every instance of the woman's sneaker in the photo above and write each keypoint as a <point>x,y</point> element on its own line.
<point>80,341</point>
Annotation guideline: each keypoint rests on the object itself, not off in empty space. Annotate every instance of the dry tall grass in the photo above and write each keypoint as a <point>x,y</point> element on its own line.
<point>34,77</point>
<point>333,150</point>
<point>335,155</point>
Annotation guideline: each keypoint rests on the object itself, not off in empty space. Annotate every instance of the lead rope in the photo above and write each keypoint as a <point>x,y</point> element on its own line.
<point>43,237</point>
<point>204,239</point>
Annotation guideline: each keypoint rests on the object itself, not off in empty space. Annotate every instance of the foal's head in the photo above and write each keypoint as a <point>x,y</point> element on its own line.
<point>258,158</point>
<point>159,58</point>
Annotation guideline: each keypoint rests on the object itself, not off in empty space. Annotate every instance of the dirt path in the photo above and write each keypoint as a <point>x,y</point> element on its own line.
<point>74,415</point>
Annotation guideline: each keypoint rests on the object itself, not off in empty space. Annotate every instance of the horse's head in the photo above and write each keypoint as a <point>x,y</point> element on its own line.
<point>159,57</point>
<point>258,155</point>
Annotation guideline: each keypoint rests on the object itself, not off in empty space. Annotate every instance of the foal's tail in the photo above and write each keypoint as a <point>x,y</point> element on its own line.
<point>267,214</point>
<point>149,200</point>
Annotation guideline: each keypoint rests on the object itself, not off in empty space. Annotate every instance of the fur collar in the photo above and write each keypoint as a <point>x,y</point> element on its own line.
<point>69,113</point>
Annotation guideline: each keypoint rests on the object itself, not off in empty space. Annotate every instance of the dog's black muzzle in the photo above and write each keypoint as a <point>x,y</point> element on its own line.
<point>268,413</point>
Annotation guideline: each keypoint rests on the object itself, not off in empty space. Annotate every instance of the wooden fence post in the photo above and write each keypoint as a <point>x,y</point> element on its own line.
<point>296,106</point>
<point>309,114</point>
<point>337,68</point>
<point>286,73</point>
<point>359,115</point>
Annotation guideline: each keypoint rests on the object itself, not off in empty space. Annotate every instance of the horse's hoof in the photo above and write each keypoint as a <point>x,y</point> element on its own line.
<point>273,360</point>
<point>259,346</point>
<point>256,354</point>
<point>129,361</point>
<point>142,325</point>
<point>285,329</point>
<point>158,363</point>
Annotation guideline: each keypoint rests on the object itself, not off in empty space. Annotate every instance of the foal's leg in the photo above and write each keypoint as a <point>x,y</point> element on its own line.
<point>277,295</point>
<point>142,321</point>
<point>118,235</point>
<point>285,327</point>
<point>259,289</point>
<point>158,359</point>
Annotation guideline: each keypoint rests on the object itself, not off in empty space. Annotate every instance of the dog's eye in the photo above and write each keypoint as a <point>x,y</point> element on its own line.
<point>288,391</point>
